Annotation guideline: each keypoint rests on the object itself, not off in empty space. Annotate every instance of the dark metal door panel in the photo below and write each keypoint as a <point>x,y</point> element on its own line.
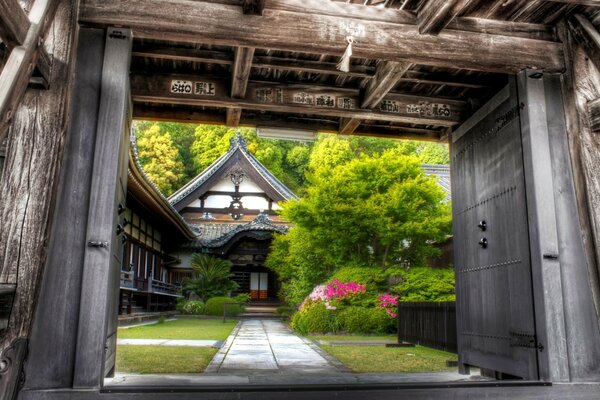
<point>495,324</point>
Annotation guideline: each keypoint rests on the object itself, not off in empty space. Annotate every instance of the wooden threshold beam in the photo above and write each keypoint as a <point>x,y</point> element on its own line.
<point>14,25</point>
<point>435,15</point>
<point>222,24</point>
<point>21,62</point>
<point>586,36</point>
<point>207,91</point>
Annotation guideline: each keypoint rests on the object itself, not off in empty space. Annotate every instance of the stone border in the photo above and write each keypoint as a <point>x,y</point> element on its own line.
<point>217,360</point>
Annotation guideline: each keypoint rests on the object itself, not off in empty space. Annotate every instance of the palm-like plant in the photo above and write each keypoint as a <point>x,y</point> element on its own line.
<point>211,277</point>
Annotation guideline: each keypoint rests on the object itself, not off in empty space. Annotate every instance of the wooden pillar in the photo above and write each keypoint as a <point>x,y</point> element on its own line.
<point>27,186</point>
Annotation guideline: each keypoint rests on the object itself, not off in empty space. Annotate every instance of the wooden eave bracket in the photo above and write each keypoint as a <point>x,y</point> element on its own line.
<point>587,36</point>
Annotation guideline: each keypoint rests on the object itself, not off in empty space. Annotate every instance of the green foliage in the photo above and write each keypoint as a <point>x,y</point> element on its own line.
<point>285,311</point>
<point>161,319</point>
<point>242,299</point>
<point>216,305</point>
<point>211,277</point>
<point>364,320</point>
<point>160,158</point>
<point>314,317</point>
<point>426,284</point>
<point>180,303</point>
<point>379,210</point>
<point>193,307</point>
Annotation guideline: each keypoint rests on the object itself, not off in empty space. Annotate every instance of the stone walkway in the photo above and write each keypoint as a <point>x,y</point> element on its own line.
<point>258,346</point>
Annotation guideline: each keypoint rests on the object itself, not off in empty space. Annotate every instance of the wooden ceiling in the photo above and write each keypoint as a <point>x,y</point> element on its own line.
<point>418,69</point>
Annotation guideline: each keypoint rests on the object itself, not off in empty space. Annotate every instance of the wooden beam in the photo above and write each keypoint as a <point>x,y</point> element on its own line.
<point>594,114</point>
<point>21,61</point>
<point>435,15</point>
<point>221,24</point>
<point>578,2</point>
<point>207,91</point>
<point>186,114</point>
<point>232,119</point>
<point>241,71</point>
<point>253,7</point>
<point>349,125</point>
<point>587,36</point>
<point>14,25</point>
<point>386,77</point>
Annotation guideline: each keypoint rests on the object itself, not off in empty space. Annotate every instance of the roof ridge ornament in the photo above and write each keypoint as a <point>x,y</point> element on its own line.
<point>238,141</point>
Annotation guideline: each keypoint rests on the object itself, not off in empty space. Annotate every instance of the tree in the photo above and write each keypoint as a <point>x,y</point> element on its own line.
<point>379,210</point>
<point>211,277</point>
<point>160,158</point>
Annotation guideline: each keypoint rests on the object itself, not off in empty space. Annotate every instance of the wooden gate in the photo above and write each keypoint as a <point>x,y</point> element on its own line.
<point>496,328</point>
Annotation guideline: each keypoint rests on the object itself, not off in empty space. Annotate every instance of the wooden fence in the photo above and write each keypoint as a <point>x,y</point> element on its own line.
<point>429,324</point>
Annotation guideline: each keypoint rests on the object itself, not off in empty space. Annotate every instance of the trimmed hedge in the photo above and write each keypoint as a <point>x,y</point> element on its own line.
<point>215,305</point>
<point>314,318</point>
<point>364,320</point>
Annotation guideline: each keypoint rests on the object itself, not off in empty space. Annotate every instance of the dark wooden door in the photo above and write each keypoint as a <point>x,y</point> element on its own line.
<point>496,329</point>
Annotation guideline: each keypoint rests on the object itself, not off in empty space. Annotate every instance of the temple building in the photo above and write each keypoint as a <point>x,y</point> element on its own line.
<point>232,208</point>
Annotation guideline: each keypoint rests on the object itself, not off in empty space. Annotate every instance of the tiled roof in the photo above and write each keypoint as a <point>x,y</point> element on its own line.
<point>237,144</point>
<point>442,171</point>
<point>212,235</point>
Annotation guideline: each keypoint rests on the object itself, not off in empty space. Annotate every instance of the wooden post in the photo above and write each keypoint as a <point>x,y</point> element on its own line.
<point>28,184</point>
<point>97,286</point>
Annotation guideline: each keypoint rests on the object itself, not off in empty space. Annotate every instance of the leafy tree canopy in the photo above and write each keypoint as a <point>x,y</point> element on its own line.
<point>372,210</point>
<point>160,159</point>
<point>211,277</point>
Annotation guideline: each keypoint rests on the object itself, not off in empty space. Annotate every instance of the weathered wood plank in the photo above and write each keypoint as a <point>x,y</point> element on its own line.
<point>579,2</point>
<point>279,30</point>
<point>435,15</point>
<point>253,7</point>
<point>587,36</point>
<point>105,190</point>
<point>349,125</point>
<point>594,114</point>
<point>327,101</point>
<point>249,119</point>
<point>28,181</point>
<point>14,24</point>
<point>21,61</point>
<point>54,334</point>
<point>581,84</point>
<point>232,117</point>
<point>394,15</point>
<point>386,77</point>
<point>240,72</point>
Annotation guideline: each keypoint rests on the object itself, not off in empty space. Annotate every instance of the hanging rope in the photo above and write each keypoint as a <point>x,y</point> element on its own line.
<point>344,64</point>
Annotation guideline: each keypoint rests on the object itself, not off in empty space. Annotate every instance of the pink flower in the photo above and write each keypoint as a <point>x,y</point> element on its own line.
<point>389,303</point>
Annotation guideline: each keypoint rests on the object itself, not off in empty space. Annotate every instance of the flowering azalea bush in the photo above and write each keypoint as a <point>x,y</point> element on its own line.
<point>389,303</point>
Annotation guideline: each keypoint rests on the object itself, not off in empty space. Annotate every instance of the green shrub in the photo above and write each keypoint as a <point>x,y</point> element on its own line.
<point>193,307</point>
<point>364,320</point>
<point>215,305</point>
<point>285,310</point>
<point>180,303</point>
<point>426,284</point>
<point>314,317</point>
<point>161,319</point>
<point>242,299</point>
<point>298,323</point>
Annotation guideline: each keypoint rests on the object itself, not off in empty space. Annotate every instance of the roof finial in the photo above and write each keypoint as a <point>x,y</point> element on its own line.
<point>238,141</point>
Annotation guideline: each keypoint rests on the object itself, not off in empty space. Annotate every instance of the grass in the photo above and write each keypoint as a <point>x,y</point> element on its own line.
<point>391,359</point>
<point>184,328</point>
<point>163,359</point>
<point>345,338</point>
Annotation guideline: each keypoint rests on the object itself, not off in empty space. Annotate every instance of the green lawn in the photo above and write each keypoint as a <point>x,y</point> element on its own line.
<point>184,328</point>
<point>346,338</point>
<point>163,359</point>
<point>391,359</point>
